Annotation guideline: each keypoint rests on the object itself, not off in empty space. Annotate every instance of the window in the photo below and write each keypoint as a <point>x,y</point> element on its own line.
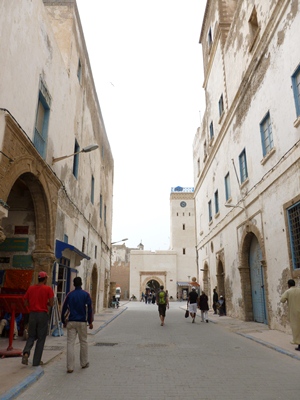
<point>92,189</point>
<point>79,71</point>
<point>209,211</point>
<point>83,244</point>
<point>96,249</point>
<point>183,251</point>
<point>104,215</point>
<point>216,202</point>
<point>76,159</point>
<point>183,227</point>
<point>227,187</point>
<point>211,130</point>
<point>66,239</point>
<point>205,150</point>
<point>42,120</point>
<point>209,38</point>
<point>293,214</point>
<point>62,279</point>
<point>253,28</point>
<point>243,166</point>
<point>221,106</point>
<point>266,134</point>
<point>296,89</point>
<point>101,205</point>
<point>198,166</point>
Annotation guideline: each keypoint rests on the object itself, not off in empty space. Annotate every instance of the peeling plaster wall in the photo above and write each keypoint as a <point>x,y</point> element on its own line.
<point>257,82</point>
<point>44,40</point>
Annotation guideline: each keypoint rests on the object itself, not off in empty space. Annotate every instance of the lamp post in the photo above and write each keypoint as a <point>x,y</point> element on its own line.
<point>123,240</point>
<point>86,149</point>
<point>234,206</point>
<point>10,159</point>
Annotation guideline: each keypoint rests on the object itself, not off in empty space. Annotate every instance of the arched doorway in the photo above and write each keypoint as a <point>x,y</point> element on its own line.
<point>206,279</point>
<point>93,287</point>
<point>252,272</point>
<point>153,285</point>
<point>150,283</point>
<point>31,219</point>
<point>221,279</point>
<point>257,282</point>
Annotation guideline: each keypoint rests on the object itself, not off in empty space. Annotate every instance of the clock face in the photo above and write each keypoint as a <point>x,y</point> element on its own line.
<point>183,204</point>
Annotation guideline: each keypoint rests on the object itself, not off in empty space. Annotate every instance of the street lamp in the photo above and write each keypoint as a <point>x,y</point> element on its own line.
<point>86,149</point>
<point>10,159</point>
<point>123,240</point>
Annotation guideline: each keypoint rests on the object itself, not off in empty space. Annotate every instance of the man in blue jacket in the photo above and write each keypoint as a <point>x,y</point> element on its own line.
<point>76,314</point>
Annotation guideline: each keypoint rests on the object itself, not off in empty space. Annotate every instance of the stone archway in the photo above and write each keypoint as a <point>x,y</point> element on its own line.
<point>221,279</point>
<point>250,233</point>
<point>29,207</point>
<point>206,279</point>
<point>148,279</point>
<point>29,172</point>
<point>153,284</point>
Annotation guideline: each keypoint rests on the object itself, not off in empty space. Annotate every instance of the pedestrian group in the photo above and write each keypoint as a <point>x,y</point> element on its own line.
<point>77,315</point>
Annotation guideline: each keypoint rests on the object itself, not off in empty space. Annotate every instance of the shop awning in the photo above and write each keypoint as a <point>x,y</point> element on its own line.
<point>183,284</point>
<point>61,246</point>
<point>196,284</point>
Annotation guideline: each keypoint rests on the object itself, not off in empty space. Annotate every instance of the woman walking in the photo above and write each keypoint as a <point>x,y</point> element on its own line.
<point>203,305</point>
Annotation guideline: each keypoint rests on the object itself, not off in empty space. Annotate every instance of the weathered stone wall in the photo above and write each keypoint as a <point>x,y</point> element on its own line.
<point>256,70</point>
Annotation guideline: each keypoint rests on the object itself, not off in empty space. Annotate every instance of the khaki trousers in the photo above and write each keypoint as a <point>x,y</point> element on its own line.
<point>74,328</point>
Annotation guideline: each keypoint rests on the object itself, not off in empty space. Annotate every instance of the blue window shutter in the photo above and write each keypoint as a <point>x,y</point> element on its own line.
<point>296,89</point>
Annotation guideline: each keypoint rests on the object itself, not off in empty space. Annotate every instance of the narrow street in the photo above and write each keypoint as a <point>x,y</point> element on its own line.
<point>135,358</point>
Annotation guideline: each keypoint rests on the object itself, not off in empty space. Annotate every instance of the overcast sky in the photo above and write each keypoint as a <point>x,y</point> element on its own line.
<point>147,67</point>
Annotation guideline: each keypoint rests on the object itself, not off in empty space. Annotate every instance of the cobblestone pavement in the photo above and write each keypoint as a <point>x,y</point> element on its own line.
<point>136,358</point>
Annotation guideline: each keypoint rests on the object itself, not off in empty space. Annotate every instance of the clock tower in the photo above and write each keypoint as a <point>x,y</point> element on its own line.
<point>183,233</point>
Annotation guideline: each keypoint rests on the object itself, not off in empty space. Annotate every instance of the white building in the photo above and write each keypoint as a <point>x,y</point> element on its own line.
<point>176,268</point>
<point>59,209</point>
<point>246,156</point>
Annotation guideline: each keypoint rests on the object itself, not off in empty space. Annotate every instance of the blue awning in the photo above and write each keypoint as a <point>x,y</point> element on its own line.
<point>61,246</point>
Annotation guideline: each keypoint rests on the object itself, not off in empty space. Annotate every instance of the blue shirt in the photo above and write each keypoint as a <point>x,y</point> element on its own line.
<point>78,304</point>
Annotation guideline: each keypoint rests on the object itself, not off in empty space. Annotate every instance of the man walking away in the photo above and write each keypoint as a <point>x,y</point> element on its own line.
<point>37,298</point>
<point>292,296</point>
<point>163,302</point>
<point>215,300</point>
<point>192,300</point>
<point>76,314</point>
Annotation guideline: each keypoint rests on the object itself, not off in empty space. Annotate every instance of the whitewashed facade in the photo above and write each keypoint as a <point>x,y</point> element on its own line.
<point>48,109</point>
<point>175,268</point>
<point>246,156</point>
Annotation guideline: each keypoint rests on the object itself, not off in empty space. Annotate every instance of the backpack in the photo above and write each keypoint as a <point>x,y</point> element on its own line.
<point>162,297</point>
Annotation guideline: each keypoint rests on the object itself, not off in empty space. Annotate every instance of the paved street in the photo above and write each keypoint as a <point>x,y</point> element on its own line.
<point>135,358</point>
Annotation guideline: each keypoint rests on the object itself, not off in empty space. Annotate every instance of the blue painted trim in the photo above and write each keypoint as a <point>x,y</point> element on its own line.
<point>15,392</point>
<point>61,246</point>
